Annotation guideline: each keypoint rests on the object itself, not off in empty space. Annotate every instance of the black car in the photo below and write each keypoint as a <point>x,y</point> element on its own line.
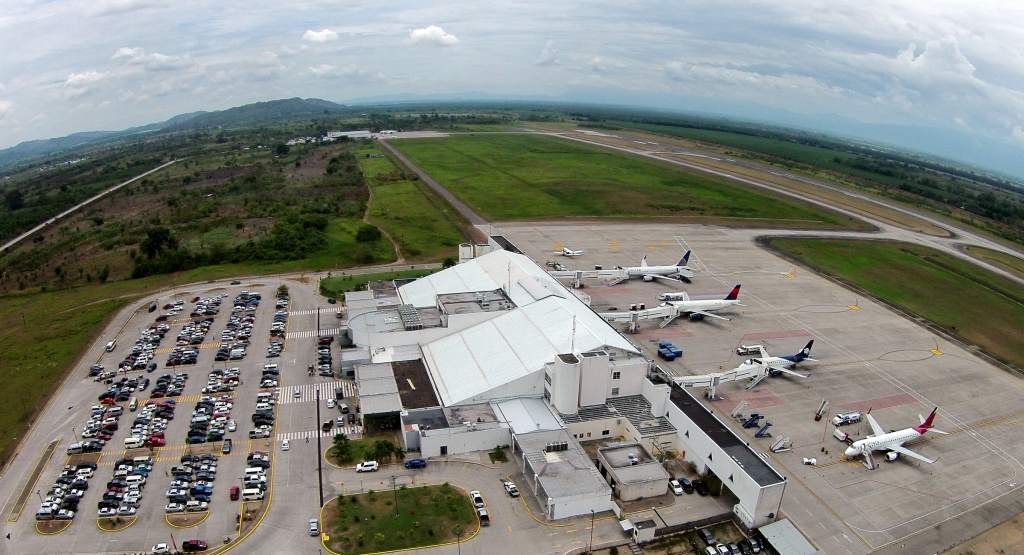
<point>701,487</point>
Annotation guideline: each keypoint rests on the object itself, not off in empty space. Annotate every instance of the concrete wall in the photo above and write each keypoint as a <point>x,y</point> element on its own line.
<point>632,374</point>
<point>567,507</point>
<point>595,379</point>
<point>593,429</point>
<point>565,385</point>
<point>705,454</point>
<point>461,440</point>
<point>641,490</point>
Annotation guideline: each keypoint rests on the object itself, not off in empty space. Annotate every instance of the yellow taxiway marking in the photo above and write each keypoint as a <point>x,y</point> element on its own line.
<point>937,352</point>
<point>613,246</point>
<point>790,274</point>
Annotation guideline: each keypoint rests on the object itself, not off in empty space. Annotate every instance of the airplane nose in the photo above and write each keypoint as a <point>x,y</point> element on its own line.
<point>851,452</point>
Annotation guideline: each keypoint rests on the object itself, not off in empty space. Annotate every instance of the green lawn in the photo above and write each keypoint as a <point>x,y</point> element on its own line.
<point>422,224</point>
<point>424,516</point>
<point>517,177</point>
<point>1005,261</point>
<point>975,304</point>
<point>337,286</point>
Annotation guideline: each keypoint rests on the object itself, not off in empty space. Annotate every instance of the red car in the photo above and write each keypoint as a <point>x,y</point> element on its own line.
<point>108,401</point>
<point>234,493</point>
<point>156,442</point>
<point>157,434</point>
<point>191,546</point>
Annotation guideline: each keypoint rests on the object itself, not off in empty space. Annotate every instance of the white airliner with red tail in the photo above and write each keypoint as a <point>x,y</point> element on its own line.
<point>892,442</point>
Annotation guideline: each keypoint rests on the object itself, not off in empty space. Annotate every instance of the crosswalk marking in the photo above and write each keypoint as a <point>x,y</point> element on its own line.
<point>308,334</point>
<point>207,345</point>
<point>307,392</point>
<point>350,431</point>
<point>193,398</point>
<point>308,311</point>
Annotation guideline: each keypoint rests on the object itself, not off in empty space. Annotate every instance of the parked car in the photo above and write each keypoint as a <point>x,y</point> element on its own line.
<point>368,466</point>
<point>314,527</point>
<point>676,487</point>
<point>416,463</point>
<point>193,546</point>
<point>511,489</point>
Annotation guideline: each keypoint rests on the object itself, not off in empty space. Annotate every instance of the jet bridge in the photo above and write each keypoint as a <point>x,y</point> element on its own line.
<point>614,276</point>
<point>666,312</point>
<point>755,372</point>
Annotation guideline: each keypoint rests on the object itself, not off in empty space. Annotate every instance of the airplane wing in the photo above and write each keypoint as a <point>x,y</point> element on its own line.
<point>789,372</point>
<point>764,353</point>
<point>908,453</point>
<point>709,315</point>
<point>876,429</point>
<point>666,278</point>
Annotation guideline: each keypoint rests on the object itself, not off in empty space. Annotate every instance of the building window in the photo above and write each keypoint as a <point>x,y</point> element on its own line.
<point>615,391</point>
<point>605,432</point>
<point>616,375</point>
<point>588,434</point>
<point>547,378</point>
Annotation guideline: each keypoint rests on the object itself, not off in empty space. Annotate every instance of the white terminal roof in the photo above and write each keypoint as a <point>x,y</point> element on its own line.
<point>495,270</point>
<point>514,344</point>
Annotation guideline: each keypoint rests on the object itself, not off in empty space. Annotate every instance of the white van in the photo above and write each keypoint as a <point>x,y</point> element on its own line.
<point>253,471</point>
<point>143,460</point>
<point>111,345</point>
<point>135,480</point>
<point>252,494</point>
<point>133,442</point>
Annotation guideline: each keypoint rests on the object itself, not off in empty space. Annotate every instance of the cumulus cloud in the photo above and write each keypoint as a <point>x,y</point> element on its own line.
<point>114,7</point>
<point>84,78</point>
<point>323,35</point>
<point>548,55</point>
<point>433,35</point>
<point>349,72</point>
<point>153,61</point>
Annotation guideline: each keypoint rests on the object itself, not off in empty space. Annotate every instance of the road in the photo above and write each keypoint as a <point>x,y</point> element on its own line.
<point>79,206</point>
<point>471,216</point>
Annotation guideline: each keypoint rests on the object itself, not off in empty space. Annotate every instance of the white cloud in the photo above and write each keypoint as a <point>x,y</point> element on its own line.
<point>5,108</point>
<point>602,64</point>
<point>548,55</point>
<point>433,35</point>
<point>154,62</point>
<point>84,78</point>
<point>113,7</point>
<point>349,72</point>
<point>323,35</point>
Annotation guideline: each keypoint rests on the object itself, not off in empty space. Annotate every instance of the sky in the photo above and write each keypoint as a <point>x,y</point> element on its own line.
<point>937,76</point>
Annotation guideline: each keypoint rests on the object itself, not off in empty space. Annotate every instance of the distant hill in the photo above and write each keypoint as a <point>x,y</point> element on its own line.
<point>259,112</point>
<point>249,114</point>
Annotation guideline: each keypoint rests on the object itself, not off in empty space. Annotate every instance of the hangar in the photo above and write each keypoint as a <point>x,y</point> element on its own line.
<point>493,352</point>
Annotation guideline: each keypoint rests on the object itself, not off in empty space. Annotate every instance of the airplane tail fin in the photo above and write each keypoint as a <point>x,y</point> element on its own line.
<point>927,423</point>
<point>684,259</point>
<point>806,351</point>
<point>734,294</point>
<point>643,261</point>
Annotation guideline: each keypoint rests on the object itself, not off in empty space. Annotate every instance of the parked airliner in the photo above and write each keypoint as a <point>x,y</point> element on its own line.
<point>892,442</point>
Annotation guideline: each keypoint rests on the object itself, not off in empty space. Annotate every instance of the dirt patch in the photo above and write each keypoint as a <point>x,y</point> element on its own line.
<point>1004,539</point>
<point>187,520</point>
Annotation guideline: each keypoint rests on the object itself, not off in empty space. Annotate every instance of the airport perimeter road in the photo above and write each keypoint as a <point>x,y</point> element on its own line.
<point>79,206</point>
<point>464,209</point>
<point>949,245</point>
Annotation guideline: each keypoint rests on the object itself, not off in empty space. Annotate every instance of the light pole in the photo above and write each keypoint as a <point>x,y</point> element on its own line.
<point>74,433</point>
<point>394,489</point>
<point>319,451</point>
<point>590,546</point>
<point>458,539</point>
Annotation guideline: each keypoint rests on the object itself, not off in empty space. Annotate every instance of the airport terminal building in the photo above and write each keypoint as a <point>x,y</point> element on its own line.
<point>493,352</point>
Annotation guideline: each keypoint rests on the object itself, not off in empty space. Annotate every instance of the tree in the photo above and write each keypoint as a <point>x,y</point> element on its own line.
<point>104,274</point>
<point>342,448</point>
<point>282,149</point>
<point>367,234</point>
<point>383,450</point>
<point>157,240</point>
<point>448,262</point>
<point>14,199</point>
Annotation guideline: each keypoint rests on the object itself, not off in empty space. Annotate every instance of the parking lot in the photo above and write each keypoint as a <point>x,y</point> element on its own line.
<point>177,385</point>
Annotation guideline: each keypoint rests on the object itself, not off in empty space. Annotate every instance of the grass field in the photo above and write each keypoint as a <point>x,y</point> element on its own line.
<point>523,177</point>
<point>372,522</point>
<point>422,224</point>
<point>982,308</point>
<point>337,286</point>
<point>1005,261</point>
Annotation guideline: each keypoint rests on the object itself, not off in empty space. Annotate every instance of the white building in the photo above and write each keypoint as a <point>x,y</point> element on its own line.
<point>493,352</point>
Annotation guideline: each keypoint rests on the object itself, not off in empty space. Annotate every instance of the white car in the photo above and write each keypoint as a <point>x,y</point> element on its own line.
<point>106,512</point>
<point>285,445</point>
<point>174,508</point>
<point>511,489</point>
<point>368,466</point>
<point>676,487</point>
<point>232,426</point>
<point>330,403</point>
<point>161,548</point>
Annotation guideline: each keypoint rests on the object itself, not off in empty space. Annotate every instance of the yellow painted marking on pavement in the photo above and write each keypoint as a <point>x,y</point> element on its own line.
<point>613,246</point>
<point>207,345</point>
<point>790,274</point>
<point>853,307</point>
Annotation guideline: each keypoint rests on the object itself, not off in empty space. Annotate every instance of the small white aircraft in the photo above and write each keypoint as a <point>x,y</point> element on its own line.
<point>892,442</point>
<point>568,252</point>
